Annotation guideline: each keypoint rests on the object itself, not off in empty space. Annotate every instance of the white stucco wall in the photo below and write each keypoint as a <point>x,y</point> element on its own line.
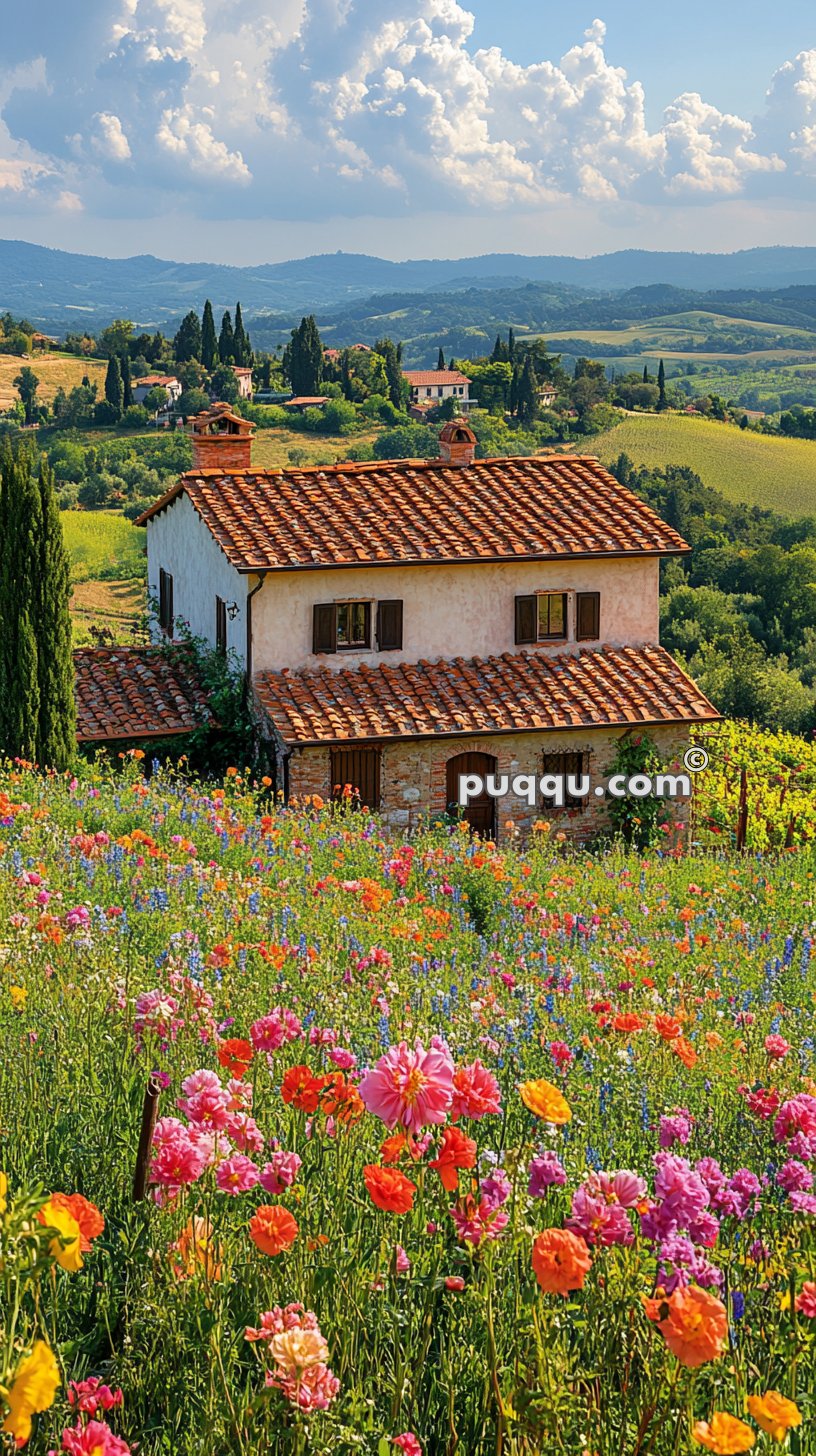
<point>178,541</point>
<point>450,611</point>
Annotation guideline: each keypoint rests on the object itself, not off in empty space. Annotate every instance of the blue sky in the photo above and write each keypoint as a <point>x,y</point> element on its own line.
<point>254,130</point>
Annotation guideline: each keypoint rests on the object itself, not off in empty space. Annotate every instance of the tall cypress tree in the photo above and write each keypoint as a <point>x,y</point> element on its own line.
<point>440,361</point>
<point>306,358</point>
<point>209,342</point>
<point>114,391</point>
<point>527,393</point>
<point>243,349</point>
<point>127,387</point>
<point>661,384</point>
<point>21,515</point>
<point>511,346</point>
<point>56,728</point>
<point>226,340</point>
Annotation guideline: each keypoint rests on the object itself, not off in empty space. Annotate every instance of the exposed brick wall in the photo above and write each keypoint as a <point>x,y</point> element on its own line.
<point>413,775</point>
<point>221,452</point>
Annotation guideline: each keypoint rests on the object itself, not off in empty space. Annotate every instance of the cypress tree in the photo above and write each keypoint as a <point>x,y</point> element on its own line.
<point>511,346</point>
<point>396,383</point>
<point>527,393</point>
<point>646,374</point>
<point>114,391</point>
<point>306,358</point>
<point>498,351</point>
<point>661,384</point>
<point>440,361</point>
<point>514,384</point>
<point>56,729</point>
<point>127,387</point>
<point>209,342</point>
<point>226,340</point>
<point>187,342</point>
<point>243,351</point>
<point>19,683</point>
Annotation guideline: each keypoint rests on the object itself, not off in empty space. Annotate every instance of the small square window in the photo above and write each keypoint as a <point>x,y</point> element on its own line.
<point>353,624</point>
<point>552,617</point>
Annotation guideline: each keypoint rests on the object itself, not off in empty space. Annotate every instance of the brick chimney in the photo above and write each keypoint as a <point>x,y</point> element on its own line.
<point>457,443</point>
<point>222,440</point>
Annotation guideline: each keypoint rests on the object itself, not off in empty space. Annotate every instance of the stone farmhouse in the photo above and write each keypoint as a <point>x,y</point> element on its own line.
<point>402,622</point>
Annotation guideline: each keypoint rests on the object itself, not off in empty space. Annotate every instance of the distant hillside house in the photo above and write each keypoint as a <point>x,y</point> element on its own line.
<point>244,378</point>
<point>437,385</point>
<point>402,622</point>
<point>547,395</point>
<point>333,355</point>
<point>167,382</point>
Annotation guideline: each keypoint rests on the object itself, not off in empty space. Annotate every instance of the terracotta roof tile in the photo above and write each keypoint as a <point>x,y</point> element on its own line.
<point>522,692</point>
<point>419,378</point>
<point>136,692</point>
<point>412,511</point>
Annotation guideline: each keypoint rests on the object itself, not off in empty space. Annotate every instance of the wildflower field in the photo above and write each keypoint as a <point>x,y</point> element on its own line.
<point>444,1148</point>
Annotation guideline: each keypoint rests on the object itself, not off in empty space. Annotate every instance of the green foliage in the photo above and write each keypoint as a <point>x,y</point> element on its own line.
<point>209,342</point>
<point>114,389</point>
<point>303,358</point>
<point>226,340</point>
<point>26,383</point>
<point>224,384</point>
<point>187,342</point>
<point>637,821</point>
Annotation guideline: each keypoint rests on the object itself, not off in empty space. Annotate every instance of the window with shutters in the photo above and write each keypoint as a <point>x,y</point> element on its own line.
<point>166,601</point>
<point>389,626</point>
<point>355,776</point>
<point>566,766</point>
<point>587,616</point>
<point>552,616</point>
<point>353,624</point>
<point>220,625</point>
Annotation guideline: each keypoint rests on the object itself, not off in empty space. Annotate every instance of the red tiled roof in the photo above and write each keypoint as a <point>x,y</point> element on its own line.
<point>413,511</point>
<point>419,377</point>
<point>516,693</point>
<point>155,379</point>
<point>137,692</point>
<point>303,399</point>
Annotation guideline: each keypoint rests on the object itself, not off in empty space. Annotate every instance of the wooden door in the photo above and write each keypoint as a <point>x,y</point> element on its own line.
<point>480,813</point>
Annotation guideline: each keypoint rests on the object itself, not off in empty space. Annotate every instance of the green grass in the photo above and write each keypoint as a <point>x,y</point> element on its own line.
<point>762,470</point>
<point>103,546</point>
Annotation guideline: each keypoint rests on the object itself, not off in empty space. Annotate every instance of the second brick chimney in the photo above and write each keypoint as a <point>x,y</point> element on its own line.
<point>457,443</point>
<point>221,439</point>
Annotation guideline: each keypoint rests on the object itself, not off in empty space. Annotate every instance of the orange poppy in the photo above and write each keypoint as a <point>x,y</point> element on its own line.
<point>389,1189</point>
<point>235,1055</point>
<point>685,1051</point>
<point>302,1088</point>
<point>668,1027</point>
<point>724,1434</point>
<point>341,1100</point>
<point>627,1022</point>
<point>774,1413</point>
<point>693,1323</point>
<point>457,1151</point>
<point>561,1261</point>
<point>273,1229</point>
<point>545,1101</point>
<point>86,1214</point>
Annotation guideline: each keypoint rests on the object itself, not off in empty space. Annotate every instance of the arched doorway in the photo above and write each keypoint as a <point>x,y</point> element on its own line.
<point>480,813</point>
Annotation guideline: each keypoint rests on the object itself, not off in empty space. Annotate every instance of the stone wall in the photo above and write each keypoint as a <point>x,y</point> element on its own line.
<point>413,774</point>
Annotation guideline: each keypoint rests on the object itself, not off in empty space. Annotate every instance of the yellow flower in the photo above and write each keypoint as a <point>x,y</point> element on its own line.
<point>32,1390</point>
<point>18,997</point>
<point>3,1192</point>
<point>774,1413</point>
<point>66,1248</point>
<point>545,1101</point>
<point>723,1434</point>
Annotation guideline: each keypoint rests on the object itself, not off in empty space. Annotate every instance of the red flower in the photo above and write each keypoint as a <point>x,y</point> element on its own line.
<point>389,1189</point>
<point>302,1088</point>
<point>457,1151</point>
<point>235,1055</point>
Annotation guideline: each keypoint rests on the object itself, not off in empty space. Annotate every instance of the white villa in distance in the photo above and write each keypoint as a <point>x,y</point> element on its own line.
<point>404,622</point>
<point>433,386</point>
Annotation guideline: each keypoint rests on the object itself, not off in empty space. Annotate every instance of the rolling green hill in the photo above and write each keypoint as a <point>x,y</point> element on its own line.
<point>762,470</point>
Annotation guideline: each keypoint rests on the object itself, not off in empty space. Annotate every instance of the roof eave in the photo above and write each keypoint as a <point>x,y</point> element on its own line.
<point>492,732</point>
<point>458,560</point>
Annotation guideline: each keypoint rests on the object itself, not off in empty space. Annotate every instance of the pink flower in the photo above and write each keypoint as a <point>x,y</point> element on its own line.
<point>91,1395</point>
<point>209,1108</point>
<point>475,1092</point>
<point>94,1439</point>
<point>560,1053</point>
<point>595,1220</point>
<point>625,1188</point>
<point>236,1175</point>
<point>410,1087</point>
<point>776,1047</point>
<point>795,1176</point>
<point>280,1172</point>
<point>270,1032</point>
<point>476,1221</point>
<point>401,1260</point>
<point>408,1444</point>
<point>675,1129</point>
<point>342,1058</point>
<point>806,1301</point>
<point>803,1202</point>
<point>796,1115</point>
<point>177,1158</point>
<point>545,1170</point>
<point>245,1132</point>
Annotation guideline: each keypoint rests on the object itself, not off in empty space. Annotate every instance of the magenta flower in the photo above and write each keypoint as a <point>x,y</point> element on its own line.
<point>280,1172</point>
<point>412,1087</point>
<point>236,1175</point>
<point>545,1171</point>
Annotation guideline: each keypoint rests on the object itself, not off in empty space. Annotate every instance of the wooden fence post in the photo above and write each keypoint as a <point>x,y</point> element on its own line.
<point>150,1112</point>
<point>742,812</point>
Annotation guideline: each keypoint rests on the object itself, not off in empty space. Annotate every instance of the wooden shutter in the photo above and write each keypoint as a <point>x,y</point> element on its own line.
<point>526,619</point>
<point>360,769</point>
<point>324,627</point>
<point>588,616</point>
<point>166,601</point>
<point>389,626</point>
<point>220,625</point>
<point>170,614</point>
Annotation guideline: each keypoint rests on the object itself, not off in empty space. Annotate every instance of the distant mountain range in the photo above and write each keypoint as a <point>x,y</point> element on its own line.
<point>59,290</point>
